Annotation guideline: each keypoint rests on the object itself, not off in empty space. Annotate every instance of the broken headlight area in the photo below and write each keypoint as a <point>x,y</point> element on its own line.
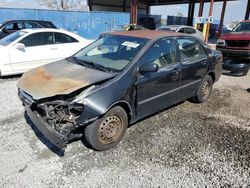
<point>60,115</point>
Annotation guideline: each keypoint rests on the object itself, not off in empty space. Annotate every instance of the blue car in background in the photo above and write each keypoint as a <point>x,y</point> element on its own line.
<point>214,30</point>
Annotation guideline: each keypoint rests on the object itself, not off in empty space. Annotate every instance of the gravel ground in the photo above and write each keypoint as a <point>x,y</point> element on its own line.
<point>189,145</point>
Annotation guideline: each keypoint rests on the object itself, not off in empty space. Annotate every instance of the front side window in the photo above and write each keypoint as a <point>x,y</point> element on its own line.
<point>11,38</point>
<point>190,49</point>
<point>30,25</point>
<point>112,52</point>
<point>182,30</point>
<point>38,39</point>
<point>162,53</point>
<point>61,38</point>
<point>189,31</point>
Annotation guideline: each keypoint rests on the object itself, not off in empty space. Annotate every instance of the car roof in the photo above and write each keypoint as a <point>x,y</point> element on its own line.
<point>38,21</point>
<point>35,30</point>
<point>147,34</point>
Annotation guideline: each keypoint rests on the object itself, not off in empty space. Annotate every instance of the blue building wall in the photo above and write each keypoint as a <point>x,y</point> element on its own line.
<point>86,24</point>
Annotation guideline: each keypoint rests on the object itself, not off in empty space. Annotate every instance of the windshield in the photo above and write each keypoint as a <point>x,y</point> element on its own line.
<point>242,27</point>
<point>111,52</point>
<point>11,38</point>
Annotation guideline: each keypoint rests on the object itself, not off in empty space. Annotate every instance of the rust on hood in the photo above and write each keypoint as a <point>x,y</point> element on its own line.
<point>58,78</point>
<point>39,81</point>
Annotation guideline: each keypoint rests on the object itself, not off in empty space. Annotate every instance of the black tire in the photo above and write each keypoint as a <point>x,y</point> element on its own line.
<point>204,90</point>
<point>108,131</point>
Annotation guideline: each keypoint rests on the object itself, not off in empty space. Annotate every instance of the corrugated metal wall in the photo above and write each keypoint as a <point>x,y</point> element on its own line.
<point>86,24</point>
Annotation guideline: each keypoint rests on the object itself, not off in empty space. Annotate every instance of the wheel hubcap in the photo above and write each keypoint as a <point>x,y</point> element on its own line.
<point>205,90</point>
<point>110,129</point>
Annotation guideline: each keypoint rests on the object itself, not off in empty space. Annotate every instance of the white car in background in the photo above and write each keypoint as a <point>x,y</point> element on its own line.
<point>30,48</point>
<point>182,29</point>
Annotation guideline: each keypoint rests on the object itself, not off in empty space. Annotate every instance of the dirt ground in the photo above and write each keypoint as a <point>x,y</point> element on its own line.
<point>189,145</point>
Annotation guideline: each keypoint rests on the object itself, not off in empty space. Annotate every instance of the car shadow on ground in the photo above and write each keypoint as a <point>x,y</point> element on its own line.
<point>3,78</point>
<point>61,152</point>
<point>165,109</point>
<point>43,139</point>
<point>248,90</point>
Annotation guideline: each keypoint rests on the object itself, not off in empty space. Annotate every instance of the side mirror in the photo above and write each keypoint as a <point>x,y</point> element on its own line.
<point>5,30</point>
<point>151,67</point>
<point>20,46</point>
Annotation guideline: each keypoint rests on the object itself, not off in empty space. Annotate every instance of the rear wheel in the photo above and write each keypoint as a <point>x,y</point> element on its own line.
<point>107,131</point>
<point>204,90</point>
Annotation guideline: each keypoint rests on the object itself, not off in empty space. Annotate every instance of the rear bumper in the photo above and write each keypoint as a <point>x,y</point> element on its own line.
<point>50,133</point>
<point>235,69</point>
<point>234,54</point>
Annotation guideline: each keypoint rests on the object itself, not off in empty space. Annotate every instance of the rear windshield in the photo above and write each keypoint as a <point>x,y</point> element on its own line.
<point>11,38</point>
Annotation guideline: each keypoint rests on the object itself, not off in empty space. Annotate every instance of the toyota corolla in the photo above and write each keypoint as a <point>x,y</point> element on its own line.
<point>119,79</point>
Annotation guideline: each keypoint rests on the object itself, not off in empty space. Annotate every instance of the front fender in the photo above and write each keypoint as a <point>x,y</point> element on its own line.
<point>102,98</point>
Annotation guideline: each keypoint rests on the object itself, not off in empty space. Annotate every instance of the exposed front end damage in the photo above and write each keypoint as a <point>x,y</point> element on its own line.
<point>58,120</point>
<point>54,99</point>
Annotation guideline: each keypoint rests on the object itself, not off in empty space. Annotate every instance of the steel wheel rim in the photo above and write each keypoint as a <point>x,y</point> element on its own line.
<point>205,90</point>
<point>110,129</point>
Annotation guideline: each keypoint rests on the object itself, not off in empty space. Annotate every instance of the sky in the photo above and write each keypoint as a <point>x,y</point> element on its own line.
<point>235,9</point>
<point>20,4</point>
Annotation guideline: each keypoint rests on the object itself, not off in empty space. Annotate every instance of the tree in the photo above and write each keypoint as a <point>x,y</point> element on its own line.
<point>65,4</point>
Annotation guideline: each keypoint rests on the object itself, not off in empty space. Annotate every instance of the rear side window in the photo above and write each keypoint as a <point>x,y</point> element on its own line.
<point>30,25</point>
<point>162,53</point>
<point>38,39</point>
<point>190,49</point>
<point>47,24</point>
<point>61,38</point>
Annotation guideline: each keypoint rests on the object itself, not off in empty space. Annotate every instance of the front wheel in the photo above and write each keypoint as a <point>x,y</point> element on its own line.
<point>107,131</point>
<point>204,90</point>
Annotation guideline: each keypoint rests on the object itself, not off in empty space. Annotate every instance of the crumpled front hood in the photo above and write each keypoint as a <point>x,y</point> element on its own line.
<point>59,78</point>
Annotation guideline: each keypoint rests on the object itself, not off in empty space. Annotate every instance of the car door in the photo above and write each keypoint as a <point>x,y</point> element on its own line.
<point>65,46</point>
<point>36,51</point>
<point>194,64</point>
<point>158,90</point>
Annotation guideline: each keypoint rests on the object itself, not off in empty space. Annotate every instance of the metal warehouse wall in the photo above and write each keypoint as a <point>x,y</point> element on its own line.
<point>86,24</point>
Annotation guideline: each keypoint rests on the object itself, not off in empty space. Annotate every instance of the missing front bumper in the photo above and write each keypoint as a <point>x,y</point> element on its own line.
<point>50,133</point>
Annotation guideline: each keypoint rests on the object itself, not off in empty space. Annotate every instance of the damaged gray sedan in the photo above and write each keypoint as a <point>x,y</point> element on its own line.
<point>115,81</point>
